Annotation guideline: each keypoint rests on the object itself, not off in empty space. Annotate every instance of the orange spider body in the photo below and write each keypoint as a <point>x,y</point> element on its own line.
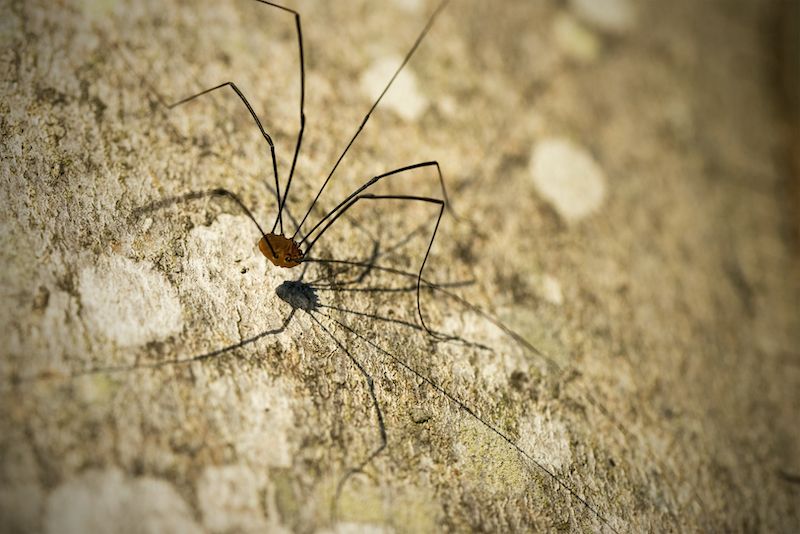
<point>281,250</point>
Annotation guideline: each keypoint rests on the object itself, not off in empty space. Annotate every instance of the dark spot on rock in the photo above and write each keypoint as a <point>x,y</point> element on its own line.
<point>420,416</point>
<point>41,298</point>
<point>518,380</point>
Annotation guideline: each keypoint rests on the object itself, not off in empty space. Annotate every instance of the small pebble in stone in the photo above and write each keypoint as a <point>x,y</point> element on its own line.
<point>574,39</point>
<point>403,97</point>
<point>567,177</point>
<point>612,16</point>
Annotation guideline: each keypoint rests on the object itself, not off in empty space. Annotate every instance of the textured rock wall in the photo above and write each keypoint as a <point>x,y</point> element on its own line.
<point>618,178</point>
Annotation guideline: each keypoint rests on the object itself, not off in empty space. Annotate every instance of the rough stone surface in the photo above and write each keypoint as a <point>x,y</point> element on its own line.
<point>153,374</point>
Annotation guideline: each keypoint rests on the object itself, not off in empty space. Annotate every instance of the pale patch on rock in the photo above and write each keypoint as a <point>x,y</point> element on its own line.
<point>234,285</point>
<point>108,501</point>
<point>613,16</point>
<point>551,290</point>
<point>229,499</point>
<point>129,302</point>
<point>95,9</point>
<point>546,440</point>
<point>403,97</point>
<point>461,371</point>
<point>567,177</point>
<point>448,106</point>
<point>57,334</point>
<point>411,6</point>
<point>262,436</point>
<point>574,39</point>
<point>351,527</point>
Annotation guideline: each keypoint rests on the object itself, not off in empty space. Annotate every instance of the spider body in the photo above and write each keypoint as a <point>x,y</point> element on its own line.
<point>282,251</point>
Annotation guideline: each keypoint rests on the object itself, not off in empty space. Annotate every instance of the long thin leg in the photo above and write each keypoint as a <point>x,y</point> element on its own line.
<point>515,336</point>
<point>391,320</point>
<point>279,218</point>
<point>410,53</point>
<point>219,191</point>
<point>280,203</point>
<point>372,181</point>
<point>257,121</point>
<point>437,201</point>
<point>378,412</point>
<point>190,196</point>
<point>225,192</point>
<point>518,338</point>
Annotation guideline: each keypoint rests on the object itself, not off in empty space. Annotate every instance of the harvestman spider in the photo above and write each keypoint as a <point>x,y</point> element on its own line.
<point>287,252</point>
<point>290,251</point>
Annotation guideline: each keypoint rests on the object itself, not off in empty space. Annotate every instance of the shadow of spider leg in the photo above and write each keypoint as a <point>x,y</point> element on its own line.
<point>407,361</point>
<point>303,297</point>
<point>408,356</point>
<point>216,353</point>
<point>638,450</point>
<point>226,261</point>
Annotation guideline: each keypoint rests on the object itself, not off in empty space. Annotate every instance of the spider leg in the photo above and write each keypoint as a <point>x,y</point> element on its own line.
<point>258,123</point>
<point>372,181</point>
<point>412,198</point>
<point>219,191</point>
<point>282,202</point>
<point>496,430</point>
<point>406,59</point>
